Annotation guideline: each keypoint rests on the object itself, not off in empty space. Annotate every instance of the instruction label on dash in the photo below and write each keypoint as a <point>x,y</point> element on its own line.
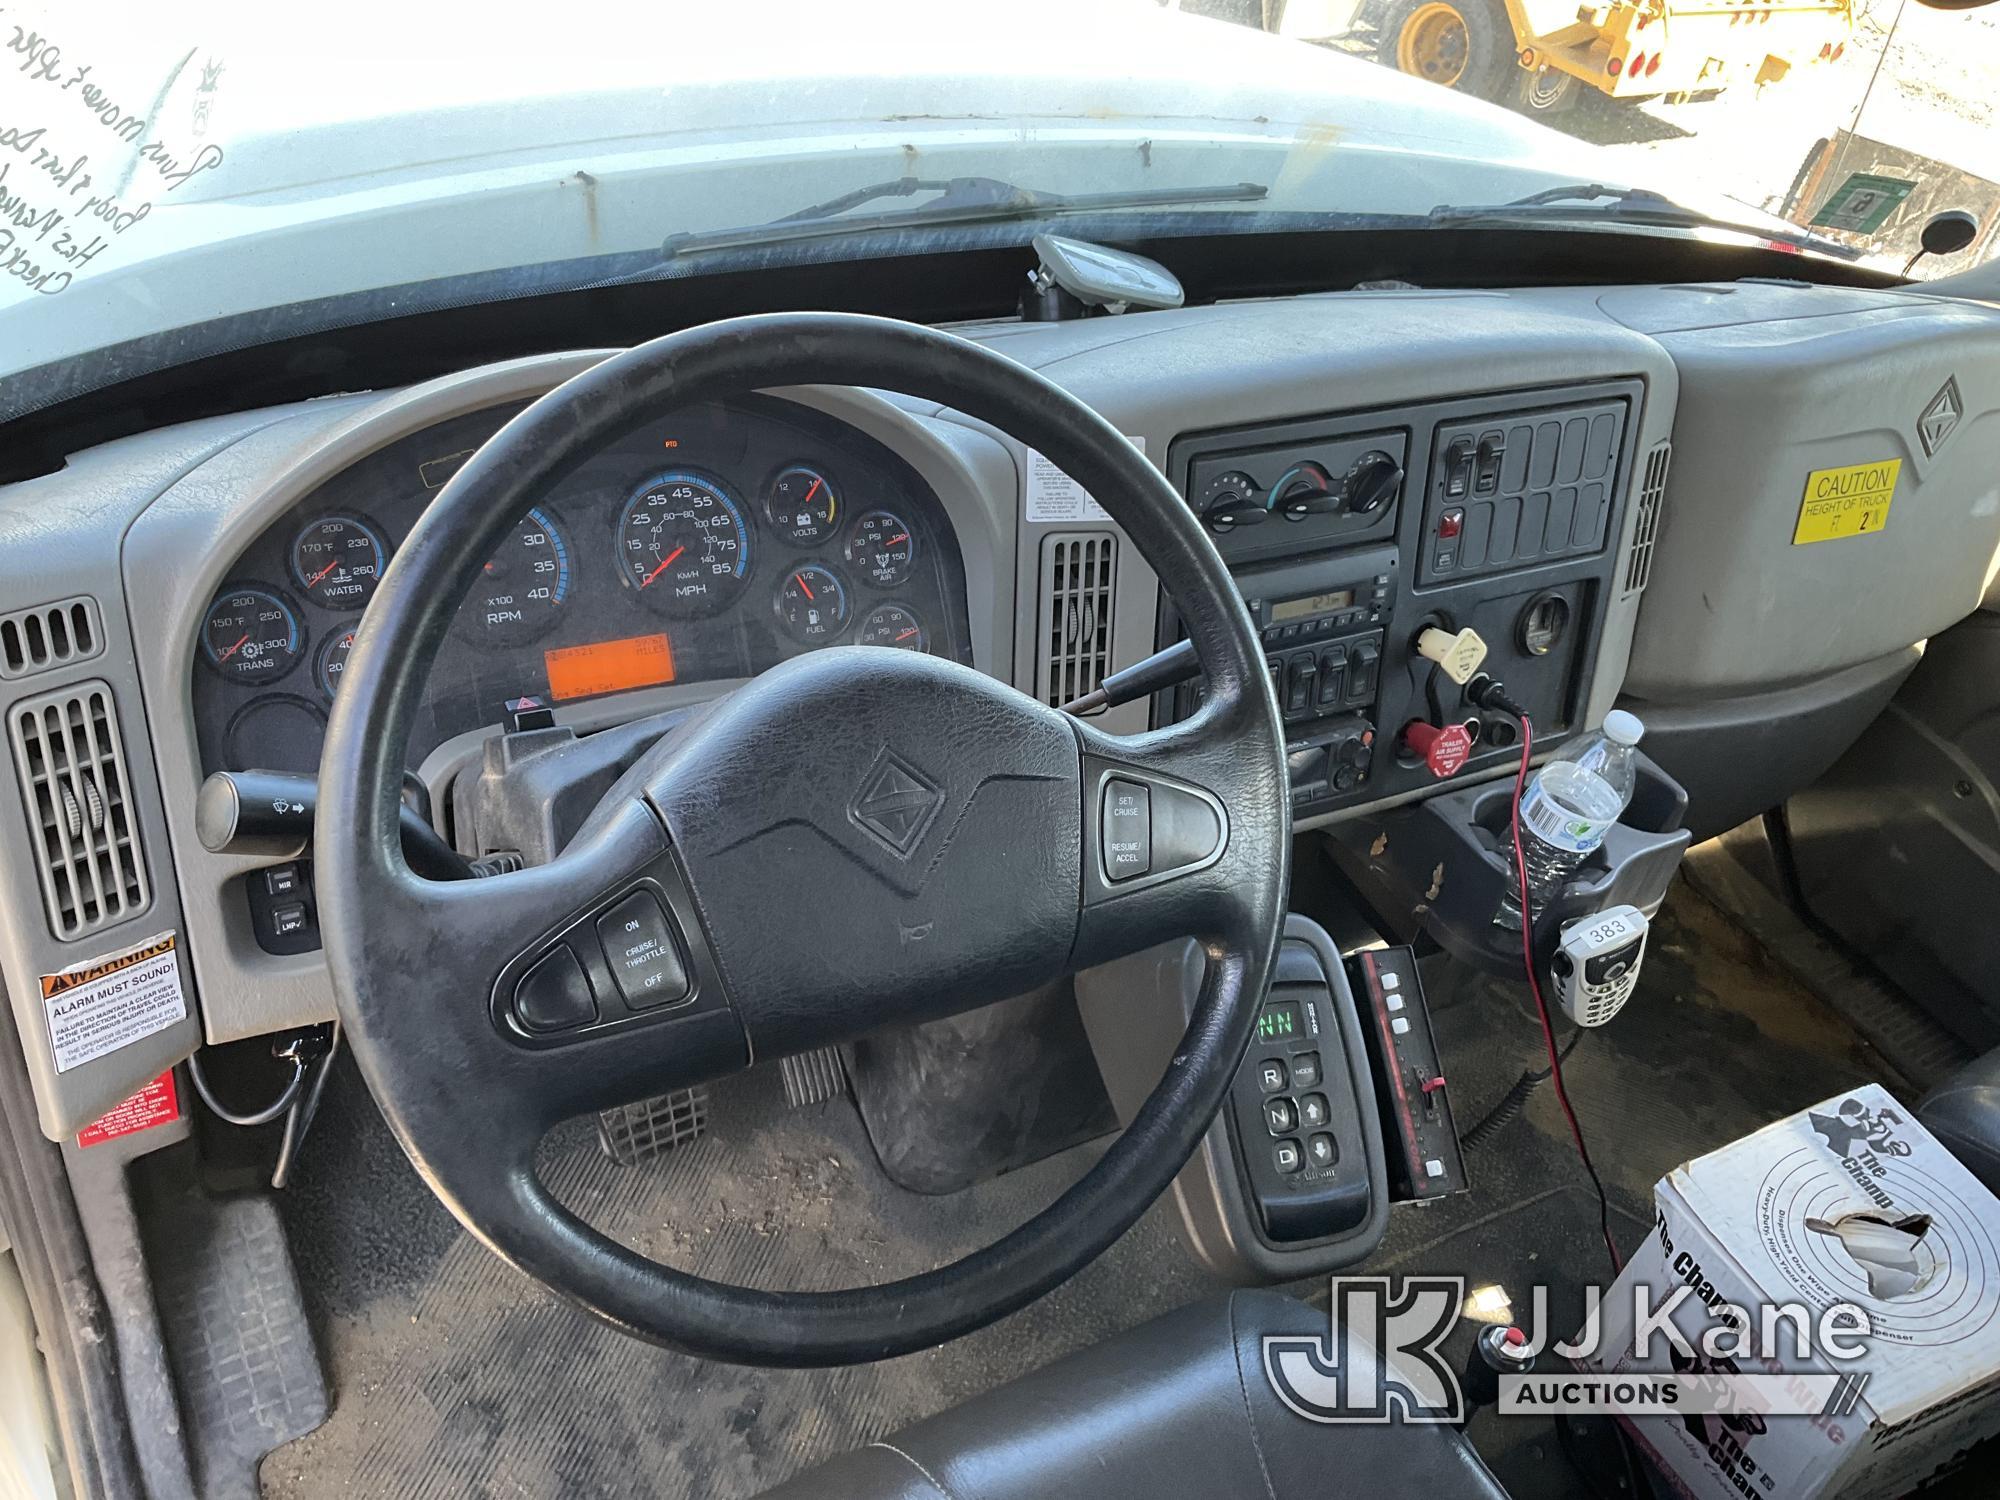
<point>106,1003</point>
<point>1851,501</point>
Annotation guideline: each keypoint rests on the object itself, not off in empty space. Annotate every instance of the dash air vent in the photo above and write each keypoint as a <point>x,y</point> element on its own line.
<point>86,845</point>
<point>1074,650</point>
<point>49,635</point>
<point>1652,490</point>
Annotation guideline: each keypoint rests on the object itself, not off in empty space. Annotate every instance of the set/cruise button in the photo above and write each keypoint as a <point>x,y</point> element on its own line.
<point>1128,830</point>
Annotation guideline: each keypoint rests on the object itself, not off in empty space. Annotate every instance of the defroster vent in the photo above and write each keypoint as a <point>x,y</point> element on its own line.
<point>1079,570</point>
<point>83,832</point>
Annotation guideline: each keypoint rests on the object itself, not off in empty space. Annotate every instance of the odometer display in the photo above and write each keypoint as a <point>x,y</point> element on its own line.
<point>251,635</point>
<point>524,586</point>
<point>684,545</point>
<point>337,561</point>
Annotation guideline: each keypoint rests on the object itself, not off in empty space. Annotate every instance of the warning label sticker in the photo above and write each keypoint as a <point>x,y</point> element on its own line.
<point>1850,501</point>
<point>1053,498</point>
<point>155,1104</point>
<point>106,1003</point>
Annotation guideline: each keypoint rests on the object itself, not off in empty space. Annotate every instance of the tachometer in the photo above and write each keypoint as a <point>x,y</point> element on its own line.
<point>684,545</point>
<point>801,505</point>
<point>881,549</point>
<point>812,604</point>
<point>524,586</point>
<point>251,634</point>
<point>337,561</point>
<point>892,625</point>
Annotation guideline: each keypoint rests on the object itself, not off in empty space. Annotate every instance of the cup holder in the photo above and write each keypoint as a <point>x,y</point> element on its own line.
<point>1443,864</point>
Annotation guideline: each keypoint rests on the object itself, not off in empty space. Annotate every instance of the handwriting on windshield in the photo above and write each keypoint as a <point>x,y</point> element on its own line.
<point>80,166</point>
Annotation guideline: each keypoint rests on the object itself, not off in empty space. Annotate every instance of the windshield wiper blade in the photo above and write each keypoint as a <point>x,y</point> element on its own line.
<point>961,200</point>
<point>1579,203</point>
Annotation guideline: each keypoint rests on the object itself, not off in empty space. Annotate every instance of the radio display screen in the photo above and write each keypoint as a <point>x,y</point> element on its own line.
<point>1314,604</point>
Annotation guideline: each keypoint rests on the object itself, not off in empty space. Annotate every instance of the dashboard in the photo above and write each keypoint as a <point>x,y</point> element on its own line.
<point>1605,483</point>
<point>700,547</point>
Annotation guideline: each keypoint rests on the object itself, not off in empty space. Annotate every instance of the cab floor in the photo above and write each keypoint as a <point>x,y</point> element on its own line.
<point>454,1375</point>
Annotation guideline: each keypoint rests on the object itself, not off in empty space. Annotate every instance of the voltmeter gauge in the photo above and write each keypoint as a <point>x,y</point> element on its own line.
<point>802,506</point>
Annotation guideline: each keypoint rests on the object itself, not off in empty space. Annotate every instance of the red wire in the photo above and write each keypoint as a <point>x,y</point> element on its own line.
<point>1542,1005</point>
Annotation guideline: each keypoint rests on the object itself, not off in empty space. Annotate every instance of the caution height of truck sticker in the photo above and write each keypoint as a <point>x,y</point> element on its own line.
<point>110,1002</point>
<point>1850,501</point>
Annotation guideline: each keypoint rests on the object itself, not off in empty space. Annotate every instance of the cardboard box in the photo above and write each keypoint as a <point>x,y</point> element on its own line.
<point>1852,1202</point>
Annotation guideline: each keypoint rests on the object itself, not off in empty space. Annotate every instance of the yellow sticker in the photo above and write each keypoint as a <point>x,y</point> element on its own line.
<point>1846,502</point>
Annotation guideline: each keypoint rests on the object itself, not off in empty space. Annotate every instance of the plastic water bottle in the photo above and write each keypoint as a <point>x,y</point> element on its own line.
<point>1569,806</point>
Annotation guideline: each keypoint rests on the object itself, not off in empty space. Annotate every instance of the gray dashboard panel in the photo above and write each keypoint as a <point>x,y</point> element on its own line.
<point>1155,376</point>
<point>61,534</point>
<point>1821,379</point>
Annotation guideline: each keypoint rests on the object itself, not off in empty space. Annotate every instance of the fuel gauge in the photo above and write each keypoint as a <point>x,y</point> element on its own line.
<point>812,604</point>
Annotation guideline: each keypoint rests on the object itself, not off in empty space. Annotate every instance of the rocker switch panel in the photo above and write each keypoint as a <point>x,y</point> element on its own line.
<point>1419,1135</point>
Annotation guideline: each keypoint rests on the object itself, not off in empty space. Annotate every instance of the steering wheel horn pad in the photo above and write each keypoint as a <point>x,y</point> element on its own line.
<point>857,838</point>
<point>850,825</point>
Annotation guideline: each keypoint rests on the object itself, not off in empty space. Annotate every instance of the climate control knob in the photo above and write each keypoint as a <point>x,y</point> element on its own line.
<point>1372,482</point>
<point>1232,500</point>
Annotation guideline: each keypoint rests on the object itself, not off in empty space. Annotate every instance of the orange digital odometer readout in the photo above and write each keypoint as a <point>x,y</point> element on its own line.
<point>609,666</point>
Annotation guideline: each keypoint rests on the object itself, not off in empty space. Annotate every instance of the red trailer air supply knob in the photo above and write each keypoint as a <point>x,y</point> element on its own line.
<point>1444,750</point>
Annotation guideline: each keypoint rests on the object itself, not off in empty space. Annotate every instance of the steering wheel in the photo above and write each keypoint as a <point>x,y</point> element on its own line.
<point>955,839</point>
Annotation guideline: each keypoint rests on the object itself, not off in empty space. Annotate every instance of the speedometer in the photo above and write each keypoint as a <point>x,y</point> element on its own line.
<point>684,545</point>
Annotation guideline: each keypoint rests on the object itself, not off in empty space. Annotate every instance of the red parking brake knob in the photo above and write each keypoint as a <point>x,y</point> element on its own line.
<point>1444,750</point>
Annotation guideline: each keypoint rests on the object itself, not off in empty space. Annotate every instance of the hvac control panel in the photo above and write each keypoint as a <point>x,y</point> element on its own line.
<point>1350,536</point>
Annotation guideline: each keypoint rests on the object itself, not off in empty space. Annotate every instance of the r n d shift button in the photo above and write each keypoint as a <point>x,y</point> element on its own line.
<point>640,950</point>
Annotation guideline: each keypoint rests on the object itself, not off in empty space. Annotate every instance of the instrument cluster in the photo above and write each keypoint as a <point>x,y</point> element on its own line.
<point>711,543</point>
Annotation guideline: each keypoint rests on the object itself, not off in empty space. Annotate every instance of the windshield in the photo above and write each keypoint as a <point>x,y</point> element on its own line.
<point>245,170</point>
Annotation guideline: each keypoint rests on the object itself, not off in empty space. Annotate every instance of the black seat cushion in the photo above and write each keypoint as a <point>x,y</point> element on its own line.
<point>1180,1406</point>
<point>1964,1113</point>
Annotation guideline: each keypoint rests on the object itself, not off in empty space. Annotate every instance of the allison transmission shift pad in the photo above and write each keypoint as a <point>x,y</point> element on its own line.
<point>1419,1134</point>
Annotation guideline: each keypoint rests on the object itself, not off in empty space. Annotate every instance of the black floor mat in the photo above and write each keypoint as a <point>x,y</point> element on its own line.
<point>455,1376</point>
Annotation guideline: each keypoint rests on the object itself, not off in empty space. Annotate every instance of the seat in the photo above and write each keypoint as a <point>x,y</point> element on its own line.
<point>1179,1406</point>
<point>1964,1113</point>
